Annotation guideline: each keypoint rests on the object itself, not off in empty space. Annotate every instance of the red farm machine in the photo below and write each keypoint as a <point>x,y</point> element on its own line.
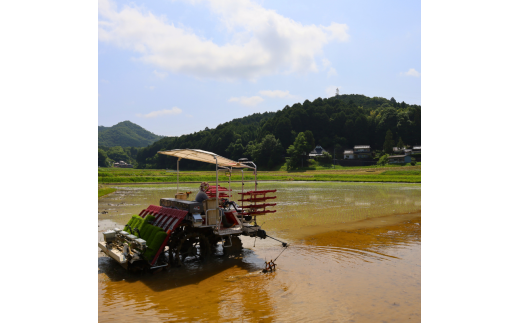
<point>178,230</point>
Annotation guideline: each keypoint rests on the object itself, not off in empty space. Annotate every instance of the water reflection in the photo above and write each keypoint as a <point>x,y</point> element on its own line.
<point>354,255</point>
<point>223,289</point>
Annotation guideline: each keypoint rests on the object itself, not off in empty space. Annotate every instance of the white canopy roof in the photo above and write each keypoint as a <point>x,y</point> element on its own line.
<point>203,156</point>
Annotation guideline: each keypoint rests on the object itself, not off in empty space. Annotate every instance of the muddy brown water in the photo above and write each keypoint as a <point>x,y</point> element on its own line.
<point>354,256</point>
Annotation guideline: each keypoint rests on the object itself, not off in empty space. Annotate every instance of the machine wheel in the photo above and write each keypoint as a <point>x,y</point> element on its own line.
<point>193,247</point>
<point>235,249</point>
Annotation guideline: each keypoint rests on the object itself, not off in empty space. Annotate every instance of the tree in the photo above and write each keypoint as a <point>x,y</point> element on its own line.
<point>388,146</point>
<point>117,153</point>
<point>310,141</point>
<point>338,151</point>
<point>417,126</point>
<point>325,159</point>
<point>267,153</point>
<point>348,120</point>
<point>361,130</point>
<point>102,158</point>
<point>400,144</point>
<point>283,131</point>
<point>296,151</point>
<point>383,160</point>
<point>235,150</point>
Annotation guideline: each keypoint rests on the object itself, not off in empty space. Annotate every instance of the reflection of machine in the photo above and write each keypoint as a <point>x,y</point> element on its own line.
<point>179,230</point>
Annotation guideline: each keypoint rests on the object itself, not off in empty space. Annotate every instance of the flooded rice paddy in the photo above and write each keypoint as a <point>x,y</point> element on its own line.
<point>355,256</point>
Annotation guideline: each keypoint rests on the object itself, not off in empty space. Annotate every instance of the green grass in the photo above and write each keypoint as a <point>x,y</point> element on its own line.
<point>402,172</point>
<point>102,191</point>
<point>392,173</point>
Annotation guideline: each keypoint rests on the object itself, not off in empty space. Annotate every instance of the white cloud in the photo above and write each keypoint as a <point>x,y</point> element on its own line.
<point>325,62</point>
<point>151,87</point>
<point>276,94</point>
<point>160,75</point>
<point>154,114</point>
<point>263,42</point>
<point>331,90</point>
<point>332,72</point>
<point>411,72</point>
<point>247,101</point>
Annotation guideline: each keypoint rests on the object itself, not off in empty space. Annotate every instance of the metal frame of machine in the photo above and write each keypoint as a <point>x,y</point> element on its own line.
<point>179,230</point>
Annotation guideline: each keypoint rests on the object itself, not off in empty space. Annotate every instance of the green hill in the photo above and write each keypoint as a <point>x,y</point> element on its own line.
<point>335,123</point>
<point>125,134</point>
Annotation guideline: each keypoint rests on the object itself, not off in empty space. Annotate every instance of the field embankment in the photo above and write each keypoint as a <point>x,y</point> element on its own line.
<point>102,190</point>
<point>404,174</point>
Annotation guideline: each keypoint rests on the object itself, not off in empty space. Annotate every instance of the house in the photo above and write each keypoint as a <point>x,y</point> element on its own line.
<point>362,151</point>
<point>348,154</point>
<point>416,149</point>
<point>402,151</point>
<point>399,159</point>
<point>317,152</point>
<point>122,164</point>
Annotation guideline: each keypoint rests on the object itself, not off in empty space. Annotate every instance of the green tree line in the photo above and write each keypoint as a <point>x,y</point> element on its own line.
<point>335,123</point>
<point>109,155</point>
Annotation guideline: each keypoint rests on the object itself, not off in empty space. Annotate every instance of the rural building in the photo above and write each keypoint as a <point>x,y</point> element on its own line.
<point>362,151</point>
<point>317,152</point>
<point>416,149</point>
<point>399,159</point>
<point>402,151</point>
<point>348,154</point>
<point>122,164</point>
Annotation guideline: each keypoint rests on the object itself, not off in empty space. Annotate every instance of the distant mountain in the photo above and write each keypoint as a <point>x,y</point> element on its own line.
<point>125,134</point>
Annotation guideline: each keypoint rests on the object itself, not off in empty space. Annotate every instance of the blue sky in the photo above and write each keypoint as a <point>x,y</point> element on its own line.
<point>176,67</point>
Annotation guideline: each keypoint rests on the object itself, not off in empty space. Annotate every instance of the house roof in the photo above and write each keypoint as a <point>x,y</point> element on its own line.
<point>362,147</point>
<point>317,147</point>
<point>397,156</point>
<point>314,153</point>
<point>350,151</point>
<point>416,147</point>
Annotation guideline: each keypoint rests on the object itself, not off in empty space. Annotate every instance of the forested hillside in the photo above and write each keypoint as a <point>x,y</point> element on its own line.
<point>125,134</point>
<point>338,122</point>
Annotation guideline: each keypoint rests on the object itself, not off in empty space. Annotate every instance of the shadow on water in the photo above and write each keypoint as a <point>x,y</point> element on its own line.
<point>188,274</point>
<point>222,289</point>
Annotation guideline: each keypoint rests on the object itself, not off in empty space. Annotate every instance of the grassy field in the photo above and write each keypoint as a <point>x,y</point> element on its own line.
<point>394,173</point>
<point>102,190</point>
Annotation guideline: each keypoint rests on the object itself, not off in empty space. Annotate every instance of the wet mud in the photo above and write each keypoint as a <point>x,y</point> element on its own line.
<point>354,256</point>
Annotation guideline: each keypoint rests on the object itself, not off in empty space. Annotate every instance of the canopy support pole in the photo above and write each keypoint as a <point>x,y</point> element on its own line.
<point>218,205</point>
<point>256,181</point>
<point>216,170</point>
<point>178,160</point>
<point>229,183</point>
